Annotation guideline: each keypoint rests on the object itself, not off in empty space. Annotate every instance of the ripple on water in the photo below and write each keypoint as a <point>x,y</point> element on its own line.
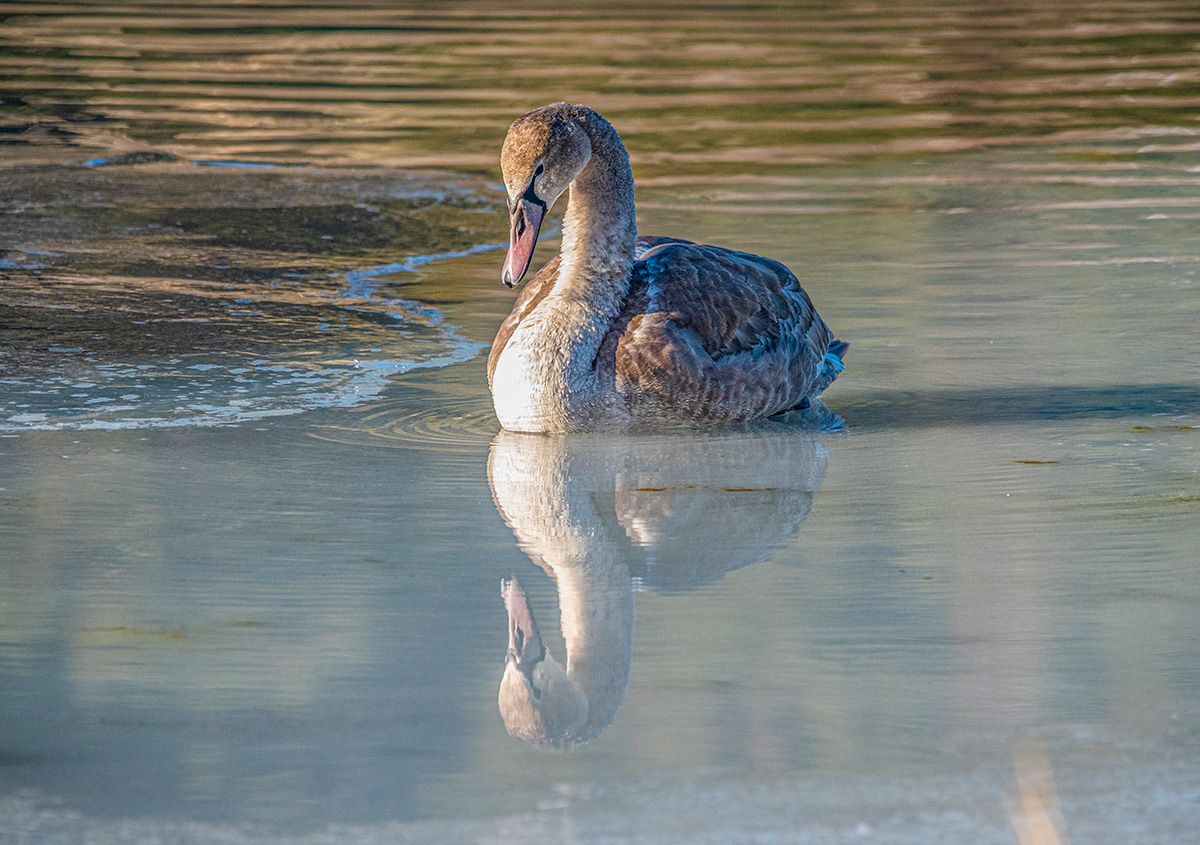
<point>446,425</point>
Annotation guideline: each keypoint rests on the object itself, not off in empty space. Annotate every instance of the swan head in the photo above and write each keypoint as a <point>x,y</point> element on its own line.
<point>543,153</point>
<point>539,702</point>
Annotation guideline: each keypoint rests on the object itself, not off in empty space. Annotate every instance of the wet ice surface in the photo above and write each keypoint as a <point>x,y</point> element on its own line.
<point>276,615</point>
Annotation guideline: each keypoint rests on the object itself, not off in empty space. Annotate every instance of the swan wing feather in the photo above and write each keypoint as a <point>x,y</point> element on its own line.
<point>714,333</point>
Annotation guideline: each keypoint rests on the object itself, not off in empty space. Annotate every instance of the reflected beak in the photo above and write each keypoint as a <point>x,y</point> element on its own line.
<point>524,642</point>
<point>522,238</point>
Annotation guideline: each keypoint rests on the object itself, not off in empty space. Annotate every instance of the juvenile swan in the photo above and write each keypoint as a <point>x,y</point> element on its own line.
<point>620,331</point>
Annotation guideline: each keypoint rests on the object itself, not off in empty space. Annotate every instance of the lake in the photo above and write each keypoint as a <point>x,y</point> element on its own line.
<point>263,546</point>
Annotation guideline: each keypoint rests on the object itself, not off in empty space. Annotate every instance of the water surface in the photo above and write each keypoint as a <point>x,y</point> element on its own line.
<point>255,514</point>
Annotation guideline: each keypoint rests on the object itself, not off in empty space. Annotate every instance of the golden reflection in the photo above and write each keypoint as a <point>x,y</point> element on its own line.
<point>756,87</point>
<point>602,515</point>
<point>1034,810</point>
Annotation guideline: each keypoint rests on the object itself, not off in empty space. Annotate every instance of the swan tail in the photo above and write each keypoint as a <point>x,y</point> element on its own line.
<point>831,367</point>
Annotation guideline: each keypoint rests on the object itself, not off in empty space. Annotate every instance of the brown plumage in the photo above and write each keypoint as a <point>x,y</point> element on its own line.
<point>622,331</point>
<point>705,334</point>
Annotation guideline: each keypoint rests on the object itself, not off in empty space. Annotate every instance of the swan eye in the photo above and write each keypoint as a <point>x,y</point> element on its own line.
<point>541,168</point>
<point>530,194</point>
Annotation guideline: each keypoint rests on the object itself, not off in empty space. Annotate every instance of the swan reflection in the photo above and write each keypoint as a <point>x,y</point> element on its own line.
<point>603,514</point>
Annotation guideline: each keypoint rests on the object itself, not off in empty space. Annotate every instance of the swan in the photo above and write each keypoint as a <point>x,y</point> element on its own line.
<point>619,331</point>
<point>601,514</point>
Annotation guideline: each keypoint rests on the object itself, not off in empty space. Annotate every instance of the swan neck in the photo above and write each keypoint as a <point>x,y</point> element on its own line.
<point>549,381</point>
<point>600,223</point>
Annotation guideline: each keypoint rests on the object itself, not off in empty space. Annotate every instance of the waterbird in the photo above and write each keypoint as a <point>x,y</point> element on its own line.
<point>620,331</point>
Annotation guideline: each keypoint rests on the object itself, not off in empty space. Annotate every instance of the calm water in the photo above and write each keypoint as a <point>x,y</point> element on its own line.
<point>255,515</point>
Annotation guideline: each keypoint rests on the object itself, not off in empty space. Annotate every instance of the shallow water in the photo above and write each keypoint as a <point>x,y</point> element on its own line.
<point>255,514</point>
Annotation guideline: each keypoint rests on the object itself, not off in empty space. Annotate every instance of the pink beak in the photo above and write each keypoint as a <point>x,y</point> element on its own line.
<point>522,238</point>
<point>524,642</point>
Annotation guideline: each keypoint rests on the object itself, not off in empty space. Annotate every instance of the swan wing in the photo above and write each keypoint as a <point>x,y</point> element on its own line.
<point>713,333</point>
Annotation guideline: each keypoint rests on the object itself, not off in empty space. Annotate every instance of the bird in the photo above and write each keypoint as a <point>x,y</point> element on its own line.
<point>624,332</point>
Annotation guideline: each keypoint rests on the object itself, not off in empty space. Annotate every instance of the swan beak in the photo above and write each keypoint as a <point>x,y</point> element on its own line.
<point>525,647</point>
<point>526,221</point>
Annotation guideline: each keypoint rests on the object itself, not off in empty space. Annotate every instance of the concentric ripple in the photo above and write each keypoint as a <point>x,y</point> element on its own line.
<point>445,424</point>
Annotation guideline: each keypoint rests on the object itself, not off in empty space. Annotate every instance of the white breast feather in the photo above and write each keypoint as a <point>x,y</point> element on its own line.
<point>516,388</point>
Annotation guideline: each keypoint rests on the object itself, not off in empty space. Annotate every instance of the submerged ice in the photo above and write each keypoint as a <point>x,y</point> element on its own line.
<point>214,297</point>
<point>229,388</point>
